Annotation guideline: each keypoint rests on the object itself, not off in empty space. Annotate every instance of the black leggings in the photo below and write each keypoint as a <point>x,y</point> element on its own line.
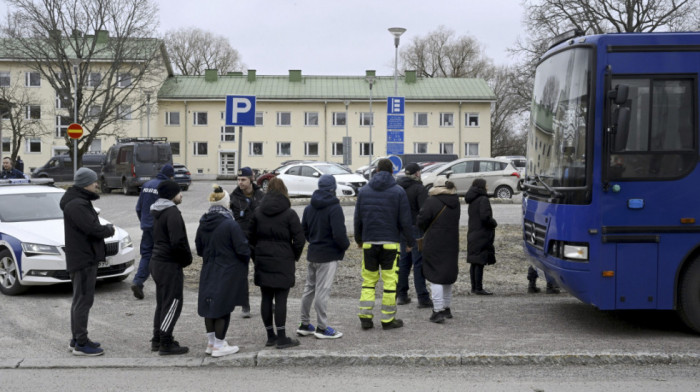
<point>280,300</point>
<point>218,325</point>
<point>476,273</point>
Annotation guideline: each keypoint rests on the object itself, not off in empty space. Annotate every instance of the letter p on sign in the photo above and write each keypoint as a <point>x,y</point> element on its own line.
<point>240,110</point>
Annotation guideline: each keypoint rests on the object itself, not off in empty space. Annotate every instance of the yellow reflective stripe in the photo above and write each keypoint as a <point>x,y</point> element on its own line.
<point>389,309</point>
<point>366,245</point>
<point>392,246</point>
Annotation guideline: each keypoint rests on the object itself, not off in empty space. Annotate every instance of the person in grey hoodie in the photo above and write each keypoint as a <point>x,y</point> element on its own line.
<point>324,228</point>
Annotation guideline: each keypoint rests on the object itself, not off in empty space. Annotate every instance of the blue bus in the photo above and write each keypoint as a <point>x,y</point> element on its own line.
<point>611,208</point>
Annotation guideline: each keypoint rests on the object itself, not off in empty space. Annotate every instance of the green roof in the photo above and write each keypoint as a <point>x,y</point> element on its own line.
<point>324,88</point>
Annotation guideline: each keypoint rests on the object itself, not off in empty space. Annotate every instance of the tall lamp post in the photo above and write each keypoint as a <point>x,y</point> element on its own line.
<point>396,31</point>
<point>76,63</point>
<point>370,80</point>
<point>148,112</point>
<point>346,143</point>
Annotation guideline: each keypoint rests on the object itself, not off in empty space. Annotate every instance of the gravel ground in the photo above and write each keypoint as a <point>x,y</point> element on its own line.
<point>506,277</point>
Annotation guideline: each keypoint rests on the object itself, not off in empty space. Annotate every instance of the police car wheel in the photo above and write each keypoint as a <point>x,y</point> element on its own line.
<point>9,281</point>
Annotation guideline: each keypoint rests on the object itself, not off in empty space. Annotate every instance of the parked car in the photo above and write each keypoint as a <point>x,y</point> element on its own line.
<point>501,177</point>
<point>32,240</point>
<point>263,180</point>
<point>183,177</point>
<point>519,162</point>
<point>302,179</point>
<point>405,160</point>
<point>133,161</point>
<point>60,167</point>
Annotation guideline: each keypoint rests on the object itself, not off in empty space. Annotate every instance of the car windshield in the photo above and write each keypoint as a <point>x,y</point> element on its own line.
<point>331,169</point>
<point>30,207</point>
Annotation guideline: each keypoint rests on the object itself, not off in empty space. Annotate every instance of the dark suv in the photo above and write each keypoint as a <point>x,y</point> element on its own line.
<point>182,176</point>
<point>133,161</point>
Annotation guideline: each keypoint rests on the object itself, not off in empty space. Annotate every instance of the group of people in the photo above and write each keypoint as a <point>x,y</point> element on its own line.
<point>391,221</point>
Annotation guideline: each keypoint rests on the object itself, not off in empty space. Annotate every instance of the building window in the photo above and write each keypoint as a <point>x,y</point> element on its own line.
<point>366,149</point>
<point>124,80</point>
<point>62,123</point>
<point>447,119</point>
<point>175,148</point>
<point>172,118</point>
<point>4,78</point>
<point>94,111</point>
<point>6,144</point>
<point>200,118</point>
<point>32,79</point>
<point>311,149</point>
<point>447,148</point>
<point>33,145</point>
<point>95,146</point>
<point>471,149</point>
<point>420,148</point>
<point>200,148</point>
<point>124,112</point>
<point>62,100</point>
<point>366,119</point>
<point>284,118</point>
<point>339,118</point>
<point>222,115</point>
<point>228,134</point>
<point>471,119</point>
<point>33,112</point>
<point>311,119</point>
<point>94,79</point>
<point>284,149</point>
<point>259,118</point>
<point>255,148</point>
<point>420,119</point>
<point>338,149</point>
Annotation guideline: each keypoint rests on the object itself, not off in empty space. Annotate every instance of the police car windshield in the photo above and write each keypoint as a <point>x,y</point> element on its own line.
<point>30,207</point>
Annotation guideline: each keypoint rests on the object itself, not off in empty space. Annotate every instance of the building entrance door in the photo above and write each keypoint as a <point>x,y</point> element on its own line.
<point>227,163</point>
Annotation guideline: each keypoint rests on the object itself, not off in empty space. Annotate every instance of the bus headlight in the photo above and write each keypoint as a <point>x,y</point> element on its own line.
<point>576,252</point>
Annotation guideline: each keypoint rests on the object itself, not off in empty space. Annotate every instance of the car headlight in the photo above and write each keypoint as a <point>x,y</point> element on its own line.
<point>39,249</point>
<point>126,242</point>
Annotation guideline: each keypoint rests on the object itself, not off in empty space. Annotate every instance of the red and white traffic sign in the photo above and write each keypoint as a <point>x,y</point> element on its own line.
<point>75,131</point>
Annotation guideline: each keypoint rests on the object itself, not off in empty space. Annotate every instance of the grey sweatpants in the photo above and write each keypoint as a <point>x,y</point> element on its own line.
<point>83,296</point>
<point>319,279</point>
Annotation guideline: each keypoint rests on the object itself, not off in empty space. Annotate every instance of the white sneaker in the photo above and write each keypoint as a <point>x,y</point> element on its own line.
<point>209,349</point>
<point>225,349</point>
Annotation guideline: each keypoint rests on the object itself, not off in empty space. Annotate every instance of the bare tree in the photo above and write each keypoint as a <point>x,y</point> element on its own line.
<point>115,63</point>
<point>508,135</point>
<point>192,50</point>
<point>22,108</point>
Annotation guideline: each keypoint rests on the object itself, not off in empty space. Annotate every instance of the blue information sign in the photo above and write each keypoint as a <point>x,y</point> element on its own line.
<point>240,110</point>
<point>395,105</point>
<point>394,121</point>
<point>396,161</point>
<point>394,136</point>
<point>394,148</point>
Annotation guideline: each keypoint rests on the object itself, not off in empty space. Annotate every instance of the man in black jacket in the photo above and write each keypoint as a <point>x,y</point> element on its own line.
<point>85,249</point>
<point>171,253</point>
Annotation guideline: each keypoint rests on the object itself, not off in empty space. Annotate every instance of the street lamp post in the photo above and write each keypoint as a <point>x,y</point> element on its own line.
<point>148,112</point>
<point>370,80</point>
<point>76,63</point>
<point>396,31</point>
<point>346,145</point>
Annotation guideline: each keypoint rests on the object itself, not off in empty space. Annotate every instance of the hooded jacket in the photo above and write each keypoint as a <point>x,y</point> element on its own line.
<point>225,254</point>
<point>382,212</point>
<point>170,244</point>
<point>148,196</point>
<point>416,193</point>
<point>324,228</point>
<point>84,235</point>
<point>441,242</point>
<point>482,228</point>
<point>277,239</point>
<point>242,206</point>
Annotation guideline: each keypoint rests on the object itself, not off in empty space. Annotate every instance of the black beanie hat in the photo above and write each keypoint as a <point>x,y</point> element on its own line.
<point>168,189</point>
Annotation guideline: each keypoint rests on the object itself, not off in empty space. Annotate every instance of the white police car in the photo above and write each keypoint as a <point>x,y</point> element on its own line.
<point>32,243</point>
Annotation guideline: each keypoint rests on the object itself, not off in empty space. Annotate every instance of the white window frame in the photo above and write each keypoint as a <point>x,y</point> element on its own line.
<point>443,148</point>
<point>28,79</point>
<point>169,119</point>
<point>471,116</point>
<point>280,118</point>
<point>309,120</point>
<point>259,119</point>
<point>366,117</point>
<point>28,112</point>
<point>197,146</point>
<point>336,119</point>
<point>467,145</point>
<point>418,117</point>
<point>5,78</point>
<point>33,143</point>
<point>94,79</point>
<point>337,146</point>
<point>60,130</point>
<point>252,147</point>
<point>444,119</point>
<point>307,149</point>
<point>175,148</point>
<point>124,80</point>
<point>228,133</point>
<point>418,146</point>
<point>364,146</point>
<point>124,112</point>
<point>197,121</point>
<point>280,147</point>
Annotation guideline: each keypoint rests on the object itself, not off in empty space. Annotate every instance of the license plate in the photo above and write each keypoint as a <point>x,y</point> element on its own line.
<point>179,175</point>
<point>102,264</point>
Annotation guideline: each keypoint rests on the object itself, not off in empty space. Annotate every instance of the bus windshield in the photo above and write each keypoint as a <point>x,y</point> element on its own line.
<point>558,121</point>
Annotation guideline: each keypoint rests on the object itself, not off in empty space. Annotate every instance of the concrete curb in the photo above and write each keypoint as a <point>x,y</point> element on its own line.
<point>314,358</point>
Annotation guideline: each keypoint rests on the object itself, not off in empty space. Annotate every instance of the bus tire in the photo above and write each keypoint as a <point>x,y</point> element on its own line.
<point>689,296</point>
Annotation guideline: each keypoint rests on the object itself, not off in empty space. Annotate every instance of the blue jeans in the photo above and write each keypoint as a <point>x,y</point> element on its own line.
<point>146,249</point>
<point>415,259</point>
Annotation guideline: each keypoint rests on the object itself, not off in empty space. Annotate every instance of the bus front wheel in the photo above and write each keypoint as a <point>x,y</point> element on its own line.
<point>689,296</point>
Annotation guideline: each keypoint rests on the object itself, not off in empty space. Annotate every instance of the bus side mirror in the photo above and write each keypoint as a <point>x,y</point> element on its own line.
<point>620,94</point>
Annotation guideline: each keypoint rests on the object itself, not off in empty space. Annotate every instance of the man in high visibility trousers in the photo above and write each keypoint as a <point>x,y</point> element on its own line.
<point>382,216</point>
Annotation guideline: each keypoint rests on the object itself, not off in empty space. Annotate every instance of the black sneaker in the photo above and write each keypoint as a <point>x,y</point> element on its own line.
<point>482,292</point>
<point>137,290</point>
<point>437,317</point>
<point>393,324</point>
<point>172,348</point>
<point>403,300</point>
<point>425,304</point>
<point>367,323</point>
<point>552,290</point>
<point>286,342</point>
<point>271,341</point>
<point>533,289</point>
<point>90,343</point>
<point>447,312</point>
<point>155,344</point>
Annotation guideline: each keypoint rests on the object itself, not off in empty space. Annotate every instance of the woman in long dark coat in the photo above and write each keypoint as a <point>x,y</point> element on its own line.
<point>224,276</point>
<point>439,219</point>
<point>277,239</point>
<point>481,234</point>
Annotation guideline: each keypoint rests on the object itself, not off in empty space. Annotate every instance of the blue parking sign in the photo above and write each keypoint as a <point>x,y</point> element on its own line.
<point>240,110</point>
<point>395,105</point>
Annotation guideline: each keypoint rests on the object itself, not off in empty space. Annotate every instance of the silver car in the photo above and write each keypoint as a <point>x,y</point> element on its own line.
<point>501,177</point>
